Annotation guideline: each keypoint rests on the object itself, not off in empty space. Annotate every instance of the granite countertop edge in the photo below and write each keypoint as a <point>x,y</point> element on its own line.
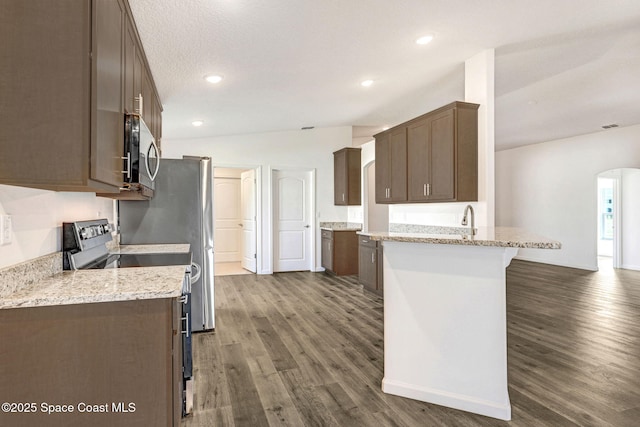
<point>340,226</point>
<point>506,237</point>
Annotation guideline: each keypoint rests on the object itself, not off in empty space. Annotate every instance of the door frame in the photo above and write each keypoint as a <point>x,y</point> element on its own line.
<point>254,264</point>
<point>313,238</point>
<point>615,176</point>
<point>258,171</point>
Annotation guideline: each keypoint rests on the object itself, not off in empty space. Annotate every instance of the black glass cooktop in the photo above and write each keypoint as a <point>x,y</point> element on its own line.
<point>141,260</point>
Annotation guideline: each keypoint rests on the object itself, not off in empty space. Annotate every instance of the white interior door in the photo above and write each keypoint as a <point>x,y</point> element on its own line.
<point>248,208</point>
<point>228,219</point>
<point>292,220</point>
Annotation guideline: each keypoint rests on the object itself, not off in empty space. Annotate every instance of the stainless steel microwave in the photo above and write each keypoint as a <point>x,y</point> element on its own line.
<point>142,156</point>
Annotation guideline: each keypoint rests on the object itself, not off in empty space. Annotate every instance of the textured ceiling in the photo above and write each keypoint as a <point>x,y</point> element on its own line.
<point>563,67</point>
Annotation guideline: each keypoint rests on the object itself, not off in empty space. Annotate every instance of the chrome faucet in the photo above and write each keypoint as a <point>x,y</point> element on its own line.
<point>468,209</point>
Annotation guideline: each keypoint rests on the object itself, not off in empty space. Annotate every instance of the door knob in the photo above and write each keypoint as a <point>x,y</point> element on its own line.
<point>306,226</point>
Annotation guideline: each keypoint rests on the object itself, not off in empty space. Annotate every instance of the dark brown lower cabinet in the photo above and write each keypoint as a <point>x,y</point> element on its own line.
<point>340,252</point>
<point>370,265</point>
<point>100,364</point>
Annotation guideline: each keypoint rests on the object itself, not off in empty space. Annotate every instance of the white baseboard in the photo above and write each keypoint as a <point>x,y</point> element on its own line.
<point>450,400</point>
<point>578,266</point>
<point>630,267</point>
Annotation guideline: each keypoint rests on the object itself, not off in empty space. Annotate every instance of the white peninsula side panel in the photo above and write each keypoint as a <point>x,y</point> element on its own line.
<point>445,326</point>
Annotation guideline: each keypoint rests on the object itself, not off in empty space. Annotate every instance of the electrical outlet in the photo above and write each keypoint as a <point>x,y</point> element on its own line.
<point>5,229</point>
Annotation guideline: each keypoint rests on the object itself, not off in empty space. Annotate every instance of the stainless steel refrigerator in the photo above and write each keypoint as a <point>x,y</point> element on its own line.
<point>181,211</point>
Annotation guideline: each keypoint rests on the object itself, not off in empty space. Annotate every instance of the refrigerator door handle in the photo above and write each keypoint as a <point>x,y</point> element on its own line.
<point>195,275</point>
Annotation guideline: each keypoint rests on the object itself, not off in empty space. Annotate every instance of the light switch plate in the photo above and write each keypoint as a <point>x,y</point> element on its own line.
<point>5,229</point>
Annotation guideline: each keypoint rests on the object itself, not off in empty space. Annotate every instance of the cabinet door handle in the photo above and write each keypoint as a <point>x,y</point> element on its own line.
<point>343,197</point>
<point>139,99</point>
<point>428,189</point>
<point>128,170</point>
<point>424,190</point>
<point>372,261</point>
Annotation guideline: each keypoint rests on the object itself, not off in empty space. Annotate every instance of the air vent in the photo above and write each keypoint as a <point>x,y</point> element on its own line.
<point>307,127</point>
<point>612,125</point>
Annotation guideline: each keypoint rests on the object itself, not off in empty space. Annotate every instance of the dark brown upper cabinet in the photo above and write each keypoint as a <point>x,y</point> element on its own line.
<point>64,86</point>
<point>441,157</point>
<point>346,177</point>
<point>391,166</point>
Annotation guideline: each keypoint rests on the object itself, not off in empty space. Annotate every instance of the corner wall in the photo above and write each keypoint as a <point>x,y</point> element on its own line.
<point>550,189</point>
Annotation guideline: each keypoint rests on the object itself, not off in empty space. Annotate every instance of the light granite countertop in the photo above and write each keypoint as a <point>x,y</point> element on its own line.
<point>507,237</point>
<point>36,283</point>
<point>90,286</point>
<point>340,226</point>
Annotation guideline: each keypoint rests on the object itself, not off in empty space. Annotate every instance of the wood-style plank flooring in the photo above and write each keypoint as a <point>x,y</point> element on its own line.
<point>306,349</point>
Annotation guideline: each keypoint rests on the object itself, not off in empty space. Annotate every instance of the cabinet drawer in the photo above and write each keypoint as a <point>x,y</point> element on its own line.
<point>366,241</point>
<point>327,234</point>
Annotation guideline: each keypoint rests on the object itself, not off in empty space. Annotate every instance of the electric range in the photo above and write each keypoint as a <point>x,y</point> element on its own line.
<point>84,246</point>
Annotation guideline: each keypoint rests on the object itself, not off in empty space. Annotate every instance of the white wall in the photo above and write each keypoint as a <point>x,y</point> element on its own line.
<point>37,217</point>
<point>630,219</point>
<point>309,149</point>
<point>550,189</point>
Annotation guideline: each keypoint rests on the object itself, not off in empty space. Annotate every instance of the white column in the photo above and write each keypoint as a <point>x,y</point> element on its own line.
<point>479,88</point>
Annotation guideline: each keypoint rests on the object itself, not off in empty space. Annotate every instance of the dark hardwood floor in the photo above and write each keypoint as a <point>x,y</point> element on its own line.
<point>306,349</point>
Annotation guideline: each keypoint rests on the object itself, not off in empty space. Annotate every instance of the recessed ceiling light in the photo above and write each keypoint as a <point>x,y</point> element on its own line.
<point>197,123</point>
<point>213,78</point>
<point>366,83</point>
<point>424,39</point>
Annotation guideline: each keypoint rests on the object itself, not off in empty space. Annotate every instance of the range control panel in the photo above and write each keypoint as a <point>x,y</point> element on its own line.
<point>83,235</point>
<point>92,231</point>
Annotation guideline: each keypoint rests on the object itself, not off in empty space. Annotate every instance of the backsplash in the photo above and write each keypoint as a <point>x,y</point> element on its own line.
<point>18,276</point>
<point>37,217</point>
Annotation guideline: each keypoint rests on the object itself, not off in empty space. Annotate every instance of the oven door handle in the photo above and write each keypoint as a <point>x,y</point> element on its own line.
<point>187,326</point>
<point>195,275</point>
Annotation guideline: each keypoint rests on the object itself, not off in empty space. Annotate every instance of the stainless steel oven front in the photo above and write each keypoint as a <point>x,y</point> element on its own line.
<point>84,247</point>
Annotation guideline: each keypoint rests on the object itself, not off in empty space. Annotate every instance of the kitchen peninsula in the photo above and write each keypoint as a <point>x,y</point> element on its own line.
<point>445,333</point>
